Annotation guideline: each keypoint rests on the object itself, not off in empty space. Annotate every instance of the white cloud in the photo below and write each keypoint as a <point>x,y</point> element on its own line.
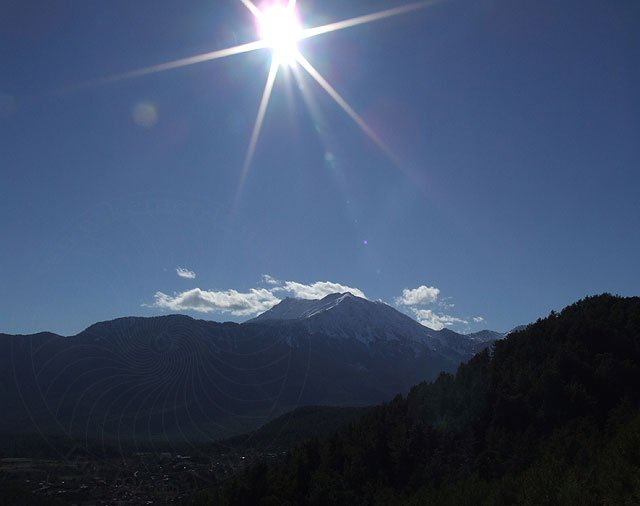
<point>435,321</point>
<point>425,296</point>
<point>229,301</point>
<point>317,290</point>
<point>185,273</point>
<point>418,296</point>
<point>255,301</point>
<point>269,280</point>
<point>478,319</point>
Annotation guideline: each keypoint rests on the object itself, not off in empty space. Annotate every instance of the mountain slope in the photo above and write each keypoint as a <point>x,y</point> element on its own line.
<point>174,377</point>
<point>295,309</point>
<point>297,426</point>
<point>551,417</point>
<point>345,316</point>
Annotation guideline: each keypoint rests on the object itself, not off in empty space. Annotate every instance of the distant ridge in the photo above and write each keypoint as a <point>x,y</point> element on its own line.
<point>176,377</point>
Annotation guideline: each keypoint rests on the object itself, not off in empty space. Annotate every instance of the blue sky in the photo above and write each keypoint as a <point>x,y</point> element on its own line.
<point>514,191</point>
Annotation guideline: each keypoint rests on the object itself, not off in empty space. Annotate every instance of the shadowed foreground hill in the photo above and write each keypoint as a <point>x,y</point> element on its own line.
<point>551,417</point>
<point>295,427</point>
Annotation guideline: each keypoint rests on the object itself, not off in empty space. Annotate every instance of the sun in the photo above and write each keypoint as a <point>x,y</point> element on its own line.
<point>280,28</point>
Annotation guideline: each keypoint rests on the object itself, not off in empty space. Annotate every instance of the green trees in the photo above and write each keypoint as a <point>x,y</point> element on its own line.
<point>549,416</point>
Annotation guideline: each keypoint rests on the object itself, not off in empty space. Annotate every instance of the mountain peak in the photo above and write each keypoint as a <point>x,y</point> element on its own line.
<point>349,317</point>
<point>344,315</point>
<point>291,308</point>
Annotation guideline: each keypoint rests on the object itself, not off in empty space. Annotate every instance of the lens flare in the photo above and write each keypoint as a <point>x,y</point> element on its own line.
<point>280,29</point>
<point>145,114</point>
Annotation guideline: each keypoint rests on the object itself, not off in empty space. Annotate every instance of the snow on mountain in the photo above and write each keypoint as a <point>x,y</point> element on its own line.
<point>293,309</point>
<point>345,316</point>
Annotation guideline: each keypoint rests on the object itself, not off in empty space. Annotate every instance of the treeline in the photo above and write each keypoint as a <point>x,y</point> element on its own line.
<point>549,416</point>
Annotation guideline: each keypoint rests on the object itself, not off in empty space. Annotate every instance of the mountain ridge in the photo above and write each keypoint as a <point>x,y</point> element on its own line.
<point>348,316</point>
<point>173,374</point>
<point>550,416</point>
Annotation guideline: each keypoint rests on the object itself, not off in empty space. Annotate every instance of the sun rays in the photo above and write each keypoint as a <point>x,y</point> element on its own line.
<point>367,18</point>
<point>304,63</point>
<point>262,110</point>
<point>280,29</point>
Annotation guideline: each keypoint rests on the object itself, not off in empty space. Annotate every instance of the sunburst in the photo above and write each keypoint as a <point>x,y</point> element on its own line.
<point>280,28</point>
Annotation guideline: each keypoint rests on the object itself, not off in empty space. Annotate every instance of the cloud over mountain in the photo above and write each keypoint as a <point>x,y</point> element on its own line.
<point>422,303</point>
<point>417,296</point>
<point>419,302</point>
<point>436,321</point>
<point>317,290</point>
<point>252,302</point>
<point>185,273</point>
<point>269,280</point>
<point>228,301</point>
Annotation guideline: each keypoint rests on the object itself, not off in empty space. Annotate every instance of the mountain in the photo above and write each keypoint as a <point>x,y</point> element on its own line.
<point>551,416</point>
<point>294,309</point>
<point>177,378</point>
<point>485,336</point>
<point>346,316</point>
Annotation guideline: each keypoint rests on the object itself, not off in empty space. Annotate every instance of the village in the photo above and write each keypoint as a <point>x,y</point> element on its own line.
<point>140,478</point>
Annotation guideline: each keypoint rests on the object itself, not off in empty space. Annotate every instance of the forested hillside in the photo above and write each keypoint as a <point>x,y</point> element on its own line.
<point>550,416</point>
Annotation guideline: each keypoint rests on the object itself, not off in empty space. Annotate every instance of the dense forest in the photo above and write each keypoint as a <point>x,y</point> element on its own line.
<point>548,416</point>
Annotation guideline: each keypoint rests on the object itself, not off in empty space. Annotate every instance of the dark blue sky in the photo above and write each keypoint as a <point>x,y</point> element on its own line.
<point>516,124</point>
